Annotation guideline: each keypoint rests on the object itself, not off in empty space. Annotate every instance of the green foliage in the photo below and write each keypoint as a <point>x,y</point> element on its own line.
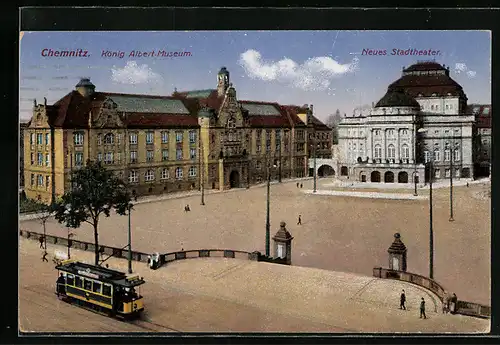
<point>30,205</point>
<point>95,191</point>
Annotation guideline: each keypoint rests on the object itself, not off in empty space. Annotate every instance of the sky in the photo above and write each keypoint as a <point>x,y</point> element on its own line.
<point>329,69</point>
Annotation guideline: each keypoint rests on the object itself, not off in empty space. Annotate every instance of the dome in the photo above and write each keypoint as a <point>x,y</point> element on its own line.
<point>397,98</point>
<point>223,70</point>
<point>205,112</point>
<point>85,82</point>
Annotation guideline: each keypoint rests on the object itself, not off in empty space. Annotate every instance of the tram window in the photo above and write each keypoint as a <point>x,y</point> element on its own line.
<point>78,282</point>
<point>106,290</point>
<point>70,279</point>
<point>87,284</point>
<point>96,287</point>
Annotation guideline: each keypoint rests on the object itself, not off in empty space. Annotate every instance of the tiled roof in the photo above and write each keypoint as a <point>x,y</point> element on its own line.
<point>197,93</point>
<point>425,66</point>
<point>260,109</point>
<point>397,97</point>
<point>160,105</point>
<point>319,125</point>
<point>292,111</point>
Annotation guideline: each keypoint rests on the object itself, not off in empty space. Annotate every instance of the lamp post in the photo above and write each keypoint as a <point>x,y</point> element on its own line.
<point>451,181</point>
<point>67,212</point>
<point>129,240</point>
<point>314,163</point>
<point>279,157</point>
<point>268,205</point>
<point>202,172</point>
<point>431,230</point>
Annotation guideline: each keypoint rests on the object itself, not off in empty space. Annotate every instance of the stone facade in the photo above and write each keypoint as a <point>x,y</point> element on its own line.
<point>392,141</point>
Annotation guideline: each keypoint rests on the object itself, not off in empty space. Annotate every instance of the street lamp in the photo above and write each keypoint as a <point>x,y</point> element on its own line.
<point>431,231</point>
<point>268,221</point>
<point>67,212</point>
<point>451,179</point>
<point>314,163</point>
<point>129,240</point>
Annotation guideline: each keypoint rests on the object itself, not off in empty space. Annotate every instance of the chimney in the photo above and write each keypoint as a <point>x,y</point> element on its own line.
<point>311,108</point>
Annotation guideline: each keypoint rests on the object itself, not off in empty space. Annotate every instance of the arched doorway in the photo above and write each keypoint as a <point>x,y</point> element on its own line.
<point>375,176</point>
<point>466,173</point>
<point>234,179</point>
<point>403,177</point>
<point>389,177</point>
<point>344,171</point>
<point>326,170</point>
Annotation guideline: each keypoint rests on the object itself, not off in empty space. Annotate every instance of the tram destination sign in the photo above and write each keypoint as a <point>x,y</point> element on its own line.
<point>87,273</point>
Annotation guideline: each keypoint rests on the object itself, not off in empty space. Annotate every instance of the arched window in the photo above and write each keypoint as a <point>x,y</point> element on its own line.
<point>149,175</point>
<point>391,152</point>
<point>178,173</point>
<point>377,151</point>
<point>436,155</point>
<point>447,155</point>
<point>132,176</point>
<point>405,151</point>
<point>457,155</point>
<point>426,156</point>
<point>109,138</point>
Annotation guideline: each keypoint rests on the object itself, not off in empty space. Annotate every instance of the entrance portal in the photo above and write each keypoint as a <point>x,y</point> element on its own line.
<point>403,177</point>
<point>234,179</point>
<point>389,177</point>
<point>375,176</point>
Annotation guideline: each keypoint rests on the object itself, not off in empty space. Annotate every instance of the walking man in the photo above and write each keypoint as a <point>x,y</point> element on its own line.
<point>301,185</point>
<point>297,185</point>
<point>44,257</point>
<point>422,309</point>
<point>41,239</point>
<point>403,301</point>
<point>299,222</point>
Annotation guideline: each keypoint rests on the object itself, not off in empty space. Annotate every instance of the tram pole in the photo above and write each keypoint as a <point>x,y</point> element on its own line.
<point>129,241</point>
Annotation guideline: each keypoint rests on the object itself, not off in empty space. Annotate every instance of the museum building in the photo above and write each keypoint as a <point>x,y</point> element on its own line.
<point>161,144</point>
<point>422,117</point>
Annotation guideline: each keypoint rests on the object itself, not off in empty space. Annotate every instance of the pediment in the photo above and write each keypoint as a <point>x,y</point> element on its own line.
<point>109,104</point>
<point>108,116</point>
<point>39,119</point>
<point>230,113</point>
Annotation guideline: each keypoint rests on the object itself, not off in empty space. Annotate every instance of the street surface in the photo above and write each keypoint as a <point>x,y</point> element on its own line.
<point>230,295</point>
<point>338,233</point>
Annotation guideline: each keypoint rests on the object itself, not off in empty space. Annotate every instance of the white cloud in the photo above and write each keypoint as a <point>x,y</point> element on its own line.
<point>314,74</point>
<point>461,67</point>
<point>133,74</point>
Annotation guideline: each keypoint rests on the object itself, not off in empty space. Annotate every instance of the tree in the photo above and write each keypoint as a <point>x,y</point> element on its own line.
<point>47,211</point>
<point>333,121</point>
<point>95,191</point>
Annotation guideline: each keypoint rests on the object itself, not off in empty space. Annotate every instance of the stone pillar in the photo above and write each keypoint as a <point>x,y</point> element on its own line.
<point>283,244</point>
<point>221,174</point>
<point>397,254</point>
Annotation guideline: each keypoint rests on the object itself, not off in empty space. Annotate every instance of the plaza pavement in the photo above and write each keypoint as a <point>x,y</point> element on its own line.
<point>231,295</point>
<point>338,233</point>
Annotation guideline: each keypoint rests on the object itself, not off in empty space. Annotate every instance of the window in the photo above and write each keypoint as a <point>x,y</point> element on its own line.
<point>150,138</point>
<point>377,132</point>
<point>39,139</point>
<point>437,173</point>
<point>109,139</point>
<point>40,180</point>
<point>258,148</point>
<point>132,176</point>
<point>32,180</point>
<point>78,282</point>
<point>192,153</point>
<point>164,137</point>
<point>108,158</point>
<point>178,173</point>
<point>97,287</point>
<point>268,146</point>
<point>87,284</point>
<point>447,131</point>
<point>178,137</point>
<point>456,155</point>
<point>405,132</point>
<point>99,139</point>
<point>391,152</point>
<point>457,172</point>
<point>79,159</point>
<point>257,166</point>
<point>426,156</point>
<point>78,138</point>
<point>40,158</point>
<point>446,106</point>
<point>178,154</point>
<point>406,152</point>
<point>32,138</point>
<point>133,156</point>
<point>437,156</point>
<point>106,290</point>
<point>32,158</point>
<point>133,138</point>
<point>192,172</point>
<point>446,172</point>
<point>47,139</point>
<point>149,175</point>
<point>47,159</point>
<point>99,156</point>
<point>447,155</point>
<point>391,132</point>
<point>192,137</point>
<point>164,155</point>
<point>165,174</point>
<point>47,181</point>
<point>70,279</point>
<point>378,151</point>
<point>150,155</point>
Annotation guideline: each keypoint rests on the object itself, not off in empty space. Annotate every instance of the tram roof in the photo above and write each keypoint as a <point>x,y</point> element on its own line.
<point>101,273</point>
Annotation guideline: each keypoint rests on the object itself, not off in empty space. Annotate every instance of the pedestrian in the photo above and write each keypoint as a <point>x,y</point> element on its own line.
<point>453,303</point>
<point>467,184</point>
<point>301,185</point>
<point>422,308</point>
<point>185,208</point>
<point>188,208</point>
<point>299,222</point>
<point>297,185</point>
<point>402,301</point>
<point>446,303</point>
<point>41,240</point>
<point>44,257</point>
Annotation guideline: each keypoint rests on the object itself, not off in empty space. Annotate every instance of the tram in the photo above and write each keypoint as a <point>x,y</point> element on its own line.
<point>106,291</point>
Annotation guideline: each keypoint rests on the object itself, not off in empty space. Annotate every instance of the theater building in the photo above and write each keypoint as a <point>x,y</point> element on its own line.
<point>422,116</point>
<point>482,114</point>
<point>162,144</point>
